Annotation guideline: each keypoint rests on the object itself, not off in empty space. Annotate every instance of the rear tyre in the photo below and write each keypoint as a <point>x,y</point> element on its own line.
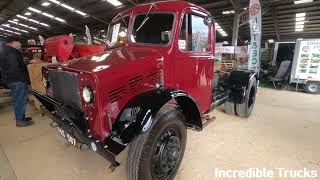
<point>244,110</point>
<point>229,108</point>
<point>312,87</point>
<point>157,153</point>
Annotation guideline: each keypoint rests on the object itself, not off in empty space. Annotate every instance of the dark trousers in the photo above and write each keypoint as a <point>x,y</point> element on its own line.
<point>19,94</point>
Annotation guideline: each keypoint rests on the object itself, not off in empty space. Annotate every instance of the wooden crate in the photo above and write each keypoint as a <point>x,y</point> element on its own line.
<point>35,74</point>
<point>228,65</point>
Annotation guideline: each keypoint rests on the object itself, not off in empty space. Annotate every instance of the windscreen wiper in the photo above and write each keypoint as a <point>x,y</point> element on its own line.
<point>146,18</point>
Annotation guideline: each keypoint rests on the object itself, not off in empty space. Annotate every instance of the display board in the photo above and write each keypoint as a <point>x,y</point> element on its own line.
<point>306,62</point>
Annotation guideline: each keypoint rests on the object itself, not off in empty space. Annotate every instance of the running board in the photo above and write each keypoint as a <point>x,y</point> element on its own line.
<point>206,120</point>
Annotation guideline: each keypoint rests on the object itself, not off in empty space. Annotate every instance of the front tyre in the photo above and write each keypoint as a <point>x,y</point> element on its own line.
<point>157,153</point>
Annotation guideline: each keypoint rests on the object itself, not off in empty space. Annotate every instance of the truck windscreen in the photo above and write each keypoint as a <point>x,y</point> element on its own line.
<point>153,28</point>
<point>118,31</point>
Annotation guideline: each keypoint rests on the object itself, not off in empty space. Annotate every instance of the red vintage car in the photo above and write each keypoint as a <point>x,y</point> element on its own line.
<point>155,80</point>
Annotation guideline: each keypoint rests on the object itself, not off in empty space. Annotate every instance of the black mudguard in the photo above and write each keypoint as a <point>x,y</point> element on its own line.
<point>237,83</point>
<point>140,113</point>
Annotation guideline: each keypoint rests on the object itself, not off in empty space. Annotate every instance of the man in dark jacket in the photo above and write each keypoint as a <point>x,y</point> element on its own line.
<point>16,77</point>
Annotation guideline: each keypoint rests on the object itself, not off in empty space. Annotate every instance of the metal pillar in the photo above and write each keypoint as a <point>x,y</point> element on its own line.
<point>235,29</point>
<point>236,22</point>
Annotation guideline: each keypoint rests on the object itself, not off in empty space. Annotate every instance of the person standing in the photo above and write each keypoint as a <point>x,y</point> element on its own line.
<point>16,76</point>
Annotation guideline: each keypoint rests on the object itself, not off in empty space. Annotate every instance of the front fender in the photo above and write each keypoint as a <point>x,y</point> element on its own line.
<point>140,112</point>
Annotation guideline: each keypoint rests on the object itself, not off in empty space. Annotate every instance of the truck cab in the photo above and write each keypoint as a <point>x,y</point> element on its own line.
<point>155,79</point>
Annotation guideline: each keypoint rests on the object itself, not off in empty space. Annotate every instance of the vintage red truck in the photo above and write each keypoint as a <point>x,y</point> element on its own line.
<point>155,80</point>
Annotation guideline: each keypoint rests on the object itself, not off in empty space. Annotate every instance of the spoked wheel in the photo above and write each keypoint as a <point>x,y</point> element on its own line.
<point>157,153</point>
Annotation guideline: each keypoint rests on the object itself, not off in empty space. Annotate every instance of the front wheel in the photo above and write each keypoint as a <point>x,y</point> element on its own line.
<point>157,153</point>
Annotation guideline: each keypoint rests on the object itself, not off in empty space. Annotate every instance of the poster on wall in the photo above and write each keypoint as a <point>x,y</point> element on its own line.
<point>308,60</point>
<point>255,31</point>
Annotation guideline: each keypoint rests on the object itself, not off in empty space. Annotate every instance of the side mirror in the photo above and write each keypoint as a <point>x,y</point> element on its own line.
<point>208,20</point>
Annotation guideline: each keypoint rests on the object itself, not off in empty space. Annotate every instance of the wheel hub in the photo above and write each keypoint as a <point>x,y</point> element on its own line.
<point>166,155</point>
<point>313,87</point>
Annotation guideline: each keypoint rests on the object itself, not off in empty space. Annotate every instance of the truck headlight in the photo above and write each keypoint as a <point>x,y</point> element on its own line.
<point>87,94</point>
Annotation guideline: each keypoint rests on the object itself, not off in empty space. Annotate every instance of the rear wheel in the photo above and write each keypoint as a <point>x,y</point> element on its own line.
<point>244,110</point>
<point>229,108</point>
<point>312,87</point>
<point>157,153</point>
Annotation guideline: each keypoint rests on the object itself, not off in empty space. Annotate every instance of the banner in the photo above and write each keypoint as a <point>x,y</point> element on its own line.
<point>255,31</point>
<point>224,50</point>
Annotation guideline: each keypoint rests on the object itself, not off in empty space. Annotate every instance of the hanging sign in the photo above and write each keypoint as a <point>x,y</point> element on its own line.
<point>224,50</point>
<point>255,31</point>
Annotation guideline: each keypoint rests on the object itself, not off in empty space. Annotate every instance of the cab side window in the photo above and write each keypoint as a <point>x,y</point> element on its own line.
<point>194,35</point>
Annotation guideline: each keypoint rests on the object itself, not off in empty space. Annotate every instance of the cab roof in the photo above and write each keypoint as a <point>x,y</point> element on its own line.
<point>173,6</point>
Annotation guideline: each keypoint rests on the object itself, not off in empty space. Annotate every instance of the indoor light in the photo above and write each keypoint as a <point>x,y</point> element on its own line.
<point>59,19</point>
<point>27,13</point>
<point>20,24</point>
<point>31,20</point>
<point>35,21</point>
<point>67,7</point>
<point>81,13</point>
<point>45,4</point>
<point>33,28</point>
<point>34,10</point>
<point>300,18</point>
<point>115,2</point>
<point>16,20</point>
<point>23,17</point>
<point>299,22</point>
<point>48,15</point>
<point>44,24</point>
<point>302,1</point>
<point>54,1</point>
<point>299,30</point>
<point>271,41</point>
<point>300,14</point>
<point>220,30</point>
<point>299,26</point>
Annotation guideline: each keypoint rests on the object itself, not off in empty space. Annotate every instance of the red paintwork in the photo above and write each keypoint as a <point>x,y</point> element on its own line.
<point>87,50</point>
<point>113,69</point>
<point>60,46</point>
<point>63,46</point>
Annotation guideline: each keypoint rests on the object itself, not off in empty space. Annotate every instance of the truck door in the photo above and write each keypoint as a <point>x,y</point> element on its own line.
<point>194,58</point>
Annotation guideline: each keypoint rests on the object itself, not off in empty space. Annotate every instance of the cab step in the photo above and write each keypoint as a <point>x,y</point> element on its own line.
<point>206,120</point>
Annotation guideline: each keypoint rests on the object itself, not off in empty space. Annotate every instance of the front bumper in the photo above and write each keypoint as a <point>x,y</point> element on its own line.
<point>67,124</point>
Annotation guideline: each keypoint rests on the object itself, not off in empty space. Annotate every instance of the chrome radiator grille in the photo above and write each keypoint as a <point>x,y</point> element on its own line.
<point>65,87</point>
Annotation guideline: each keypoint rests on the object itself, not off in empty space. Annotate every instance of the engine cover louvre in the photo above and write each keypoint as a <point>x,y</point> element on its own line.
<point>134,85</point>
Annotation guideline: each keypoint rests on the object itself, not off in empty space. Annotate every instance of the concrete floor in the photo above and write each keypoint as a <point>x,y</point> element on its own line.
<point>283,131</point>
